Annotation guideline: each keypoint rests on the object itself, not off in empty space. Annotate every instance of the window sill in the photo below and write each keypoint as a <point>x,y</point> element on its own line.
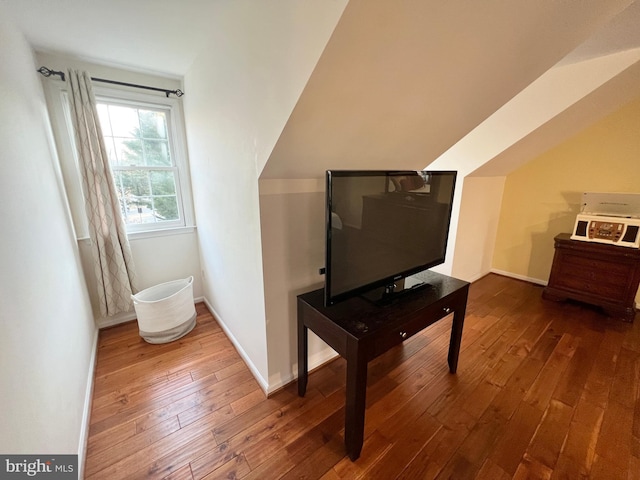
<point>154,233</point>
<point>161,233</point>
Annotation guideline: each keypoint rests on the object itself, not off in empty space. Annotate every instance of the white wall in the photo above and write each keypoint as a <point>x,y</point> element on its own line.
<point>240,92</point>
<point>476,226</point>
<point>48,334</point>
<point>293,236</point>
<point>158,258</point>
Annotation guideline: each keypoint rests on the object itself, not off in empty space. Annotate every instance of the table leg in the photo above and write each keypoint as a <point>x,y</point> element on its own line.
<point>302,354</point>
<point>355,400</point>
<point>456,337</point>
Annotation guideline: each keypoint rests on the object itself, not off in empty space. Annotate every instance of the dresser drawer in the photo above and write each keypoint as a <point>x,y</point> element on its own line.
<point>614,278</point>
<point>594,286</point>
<point>595,265</point>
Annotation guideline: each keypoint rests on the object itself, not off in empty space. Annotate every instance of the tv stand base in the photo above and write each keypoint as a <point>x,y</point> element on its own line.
<point>389,295</point>
<point>360,331</point>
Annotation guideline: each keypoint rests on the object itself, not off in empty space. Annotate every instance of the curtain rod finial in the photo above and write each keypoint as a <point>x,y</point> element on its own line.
<point>47,72</point>
<point>177,93</point>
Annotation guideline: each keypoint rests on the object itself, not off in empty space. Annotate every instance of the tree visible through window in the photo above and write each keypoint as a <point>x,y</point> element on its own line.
<point>145,173</point>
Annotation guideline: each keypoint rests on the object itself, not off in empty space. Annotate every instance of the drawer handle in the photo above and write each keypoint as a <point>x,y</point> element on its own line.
<point>403,334</point>
<point>446,310</point>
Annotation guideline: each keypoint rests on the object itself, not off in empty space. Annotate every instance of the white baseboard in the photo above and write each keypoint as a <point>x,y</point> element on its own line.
<point>475,277</point>
<point>124,317</point>
<point>268,387</point>
<point>504,273</point>
<point>264,385</point>
<point>537,281</point>
<point>315,361</point>
<point>86,411</point>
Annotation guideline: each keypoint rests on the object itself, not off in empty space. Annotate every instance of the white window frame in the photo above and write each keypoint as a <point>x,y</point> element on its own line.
<point>64,134</point>
<point>177,151</point>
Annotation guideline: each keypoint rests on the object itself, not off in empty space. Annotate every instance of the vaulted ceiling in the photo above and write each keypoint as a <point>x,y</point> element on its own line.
<point>399,83</point>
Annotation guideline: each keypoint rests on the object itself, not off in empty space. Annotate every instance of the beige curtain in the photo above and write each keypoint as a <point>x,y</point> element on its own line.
<point>113,263</point>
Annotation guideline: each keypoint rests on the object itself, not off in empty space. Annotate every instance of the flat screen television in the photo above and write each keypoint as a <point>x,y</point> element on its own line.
<point>382,226</point>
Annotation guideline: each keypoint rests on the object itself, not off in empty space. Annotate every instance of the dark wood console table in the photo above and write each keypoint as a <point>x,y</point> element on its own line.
<point>595,273</point>
<point>360,331</point>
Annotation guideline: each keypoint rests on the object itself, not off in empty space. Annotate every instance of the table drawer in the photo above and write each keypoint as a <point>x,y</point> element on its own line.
<point>382,343</point>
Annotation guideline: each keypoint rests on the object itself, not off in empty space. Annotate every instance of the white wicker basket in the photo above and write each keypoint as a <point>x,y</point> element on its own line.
<point>165,312</point>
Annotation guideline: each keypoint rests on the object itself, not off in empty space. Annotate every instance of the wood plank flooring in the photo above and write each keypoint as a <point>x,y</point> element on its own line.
<point>543,390</point>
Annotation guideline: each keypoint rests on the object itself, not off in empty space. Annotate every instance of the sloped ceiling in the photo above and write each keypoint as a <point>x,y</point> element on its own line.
<point>603,100</point>
<point>400,82</point>
<point>561,102</point>
<point>595,79</point>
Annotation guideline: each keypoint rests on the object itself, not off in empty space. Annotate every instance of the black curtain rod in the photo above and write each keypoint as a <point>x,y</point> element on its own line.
<point>47,72</point>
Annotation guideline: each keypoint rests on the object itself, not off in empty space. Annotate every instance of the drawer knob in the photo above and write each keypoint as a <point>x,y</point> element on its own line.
<point>446,310</point>
<point>403,334</point>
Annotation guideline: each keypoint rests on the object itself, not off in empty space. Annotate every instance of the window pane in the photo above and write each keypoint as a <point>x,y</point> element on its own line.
<point>147,196</point>
<point>153,124</point>
<point>133,183</point>
<point>111,151</point>
<point>139,210</point>
<point>162,183</point>
<point>124,121</point>
<point>103,116</point>
<point>166,208</point>
<point>156,153</point>
<point>129,151</point>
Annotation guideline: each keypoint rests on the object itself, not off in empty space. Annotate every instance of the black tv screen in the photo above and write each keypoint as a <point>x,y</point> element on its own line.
<point>382,226</point>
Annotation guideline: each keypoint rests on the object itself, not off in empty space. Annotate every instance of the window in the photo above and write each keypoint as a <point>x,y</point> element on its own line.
<point>144,137</point>
<point>140,141</point>
<point>144,172</point>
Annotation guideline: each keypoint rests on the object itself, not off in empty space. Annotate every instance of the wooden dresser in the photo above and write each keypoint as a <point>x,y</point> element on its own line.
<point>595,273</point>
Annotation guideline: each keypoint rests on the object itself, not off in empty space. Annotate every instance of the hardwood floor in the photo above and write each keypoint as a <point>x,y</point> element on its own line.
<point>543,390</point>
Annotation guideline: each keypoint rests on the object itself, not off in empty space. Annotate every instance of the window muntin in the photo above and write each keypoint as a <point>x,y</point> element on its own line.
<point>139,145</point>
